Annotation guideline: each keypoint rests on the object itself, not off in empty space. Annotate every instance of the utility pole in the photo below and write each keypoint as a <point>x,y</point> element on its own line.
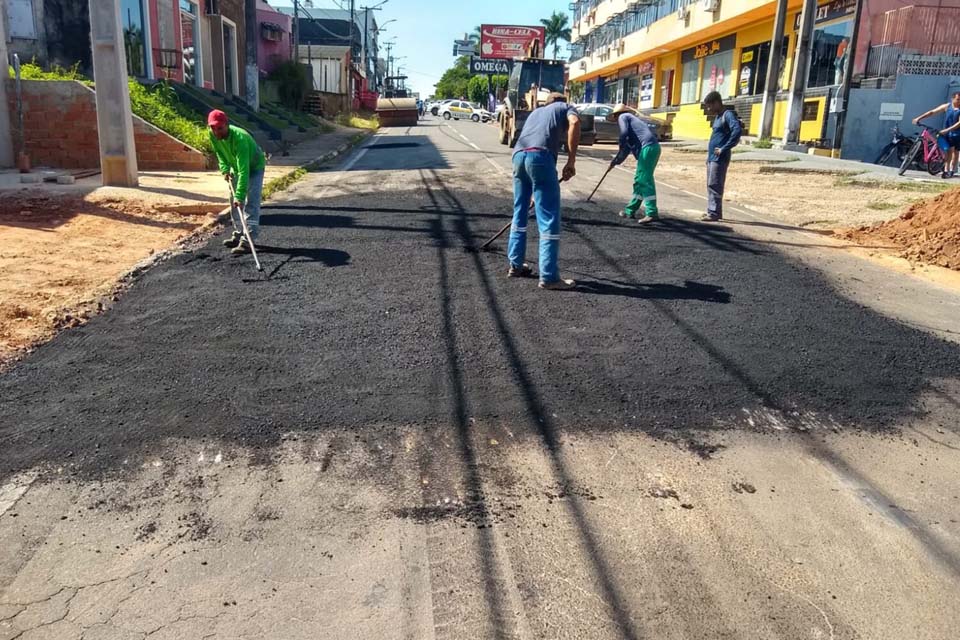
<point>771,87</point>
<point>296,31</point>
<point>843,95</point>
<point>118,152</point>
<point>6,141</point>
<point>252,71</point>
<point>801,61</point>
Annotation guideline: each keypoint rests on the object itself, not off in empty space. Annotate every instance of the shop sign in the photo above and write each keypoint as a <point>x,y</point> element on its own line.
<point>709,48</point>
<point>646,91</point>
<point>830,11</point>
<point>627,72</point>
<point>746,57</point>
<point>891,111</point>
<point>508,41</point>
<point>646,67</point>
<point>481,67</point>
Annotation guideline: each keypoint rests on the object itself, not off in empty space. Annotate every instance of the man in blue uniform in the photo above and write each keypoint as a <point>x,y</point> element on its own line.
<point>535,174</point>
<point>951,133</point>
<point>638,138</point>
<point>726,135</point>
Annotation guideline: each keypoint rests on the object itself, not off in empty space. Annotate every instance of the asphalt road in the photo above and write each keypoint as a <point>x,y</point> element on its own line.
<point>726,431</point>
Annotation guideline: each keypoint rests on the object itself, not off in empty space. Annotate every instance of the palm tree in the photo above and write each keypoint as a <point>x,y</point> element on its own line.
<point>557,29</point>
<point>474,37</point>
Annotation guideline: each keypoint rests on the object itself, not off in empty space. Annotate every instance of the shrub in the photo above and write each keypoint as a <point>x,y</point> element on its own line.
<point>160,107</point>
<point>33,71</point>
<point>293,83</point>
<point>358,122</point>
<point>763,143</point>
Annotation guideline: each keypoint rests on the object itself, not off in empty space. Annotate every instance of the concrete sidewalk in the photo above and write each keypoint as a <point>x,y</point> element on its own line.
<point>187,190</point>
<point>789,162</point>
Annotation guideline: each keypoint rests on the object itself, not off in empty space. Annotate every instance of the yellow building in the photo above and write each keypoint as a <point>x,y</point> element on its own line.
<point>664,56</point>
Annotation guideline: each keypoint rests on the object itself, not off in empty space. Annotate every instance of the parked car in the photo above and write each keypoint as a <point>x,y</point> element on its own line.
<point>435,109</point>
<point>459,110</point>
<point>610,132</point>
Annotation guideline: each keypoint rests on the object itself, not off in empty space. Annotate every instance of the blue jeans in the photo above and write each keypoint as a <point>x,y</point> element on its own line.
<point>252,206</point>
<point>535,174</point>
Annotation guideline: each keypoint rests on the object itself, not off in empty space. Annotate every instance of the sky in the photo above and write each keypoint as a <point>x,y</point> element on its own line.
<point>425,29</point>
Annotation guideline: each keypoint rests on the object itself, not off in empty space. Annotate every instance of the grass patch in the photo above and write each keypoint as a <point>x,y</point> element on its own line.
<point>911,187</point>
<point>763,143</point>
<point>357,121</point>
<point>283,182</point>
<point>882,205</point>
<point>161,107</point>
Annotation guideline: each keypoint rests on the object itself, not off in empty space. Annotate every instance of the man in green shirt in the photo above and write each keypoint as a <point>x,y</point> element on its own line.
<point>241,162</point>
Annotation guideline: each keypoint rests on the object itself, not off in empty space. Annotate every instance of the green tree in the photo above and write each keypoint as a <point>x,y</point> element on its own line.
<point>557,28</point>
<point>474,37</point>
<point>575,91</point>
<point>453,83</point>
<point>477,90</point>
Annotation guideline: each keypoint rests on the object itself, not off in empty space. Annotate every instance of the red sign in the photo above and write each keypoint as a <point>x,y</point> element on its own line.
<point>508,41</point>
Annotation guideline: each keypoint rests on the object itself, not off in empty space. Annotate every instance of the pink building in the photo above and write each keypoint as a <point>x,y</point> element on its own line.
<point>273,46</point>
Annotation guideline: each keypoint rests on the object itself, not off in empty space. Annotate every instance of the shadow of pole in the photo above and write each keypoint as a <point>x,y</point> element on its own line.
<point>496,607</point>
<point>542,424</point>
<point>939,552</point>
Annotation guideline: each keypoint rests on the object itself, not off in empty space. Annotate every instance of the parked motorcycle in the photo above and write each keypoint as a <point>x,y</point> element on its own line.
<point>898,148</point>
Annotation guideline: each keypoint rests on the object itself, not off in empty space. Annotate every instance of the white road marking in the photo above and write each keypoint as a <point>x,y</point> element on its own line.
<point>495,165</point>
<point>475,146</point>
<point>355,159</point>
<point>14,490</point>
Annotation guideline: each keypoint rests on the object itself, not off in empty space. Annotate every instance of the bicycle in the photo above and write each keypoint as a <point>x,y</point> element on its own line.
<point>899,144</point>
<point>932,153</point>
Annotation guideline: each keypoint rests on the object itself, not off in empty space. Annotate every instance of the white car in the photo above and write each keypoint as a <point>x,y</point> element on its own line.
<point>436,106</point>
<point>459,110</point>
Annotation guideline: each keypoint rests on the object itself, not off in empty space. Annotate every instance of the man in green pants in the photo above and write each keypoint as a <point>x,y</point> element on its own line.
<point>638,138</point>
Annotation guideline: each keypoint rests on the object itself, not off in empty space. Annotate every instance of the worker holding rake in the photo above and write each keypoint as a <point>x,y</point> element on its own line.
<point>638,138</point>
<point>242,164</point>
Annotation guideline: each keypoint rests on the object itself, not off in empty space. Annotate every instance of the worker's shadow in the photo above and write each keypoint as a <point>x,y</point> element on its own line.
<point>328,257</point>
<point>689,290</point>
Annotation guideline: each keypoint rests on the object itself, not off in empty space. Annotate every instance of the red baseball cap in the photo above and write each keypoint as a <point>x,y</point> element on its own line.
<point>216,118</point>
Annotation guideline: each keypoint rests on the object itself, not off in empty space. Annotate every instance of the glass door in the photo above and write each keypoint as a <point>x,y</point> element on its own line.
<point>230,58</point>
<point>134,37</point>
<point>190,34</point>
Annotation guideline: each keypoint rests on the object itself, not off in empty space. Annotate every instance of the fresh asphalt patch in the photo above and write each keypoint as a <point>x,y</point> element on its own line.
<point>370,318</point>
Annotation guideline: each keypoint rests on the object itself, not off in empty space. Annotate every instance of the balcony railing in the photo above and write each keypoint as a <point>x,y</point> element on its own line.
<point>639,15</point>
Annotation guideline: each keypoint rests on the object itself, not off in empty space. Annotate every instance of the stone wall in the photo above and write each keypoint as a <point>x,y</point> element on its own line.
<point>60,130</point>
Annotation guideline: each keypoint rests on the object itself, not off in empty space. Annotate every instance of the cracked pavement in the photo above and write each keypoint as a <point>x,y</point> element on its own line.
<point>735,431</point>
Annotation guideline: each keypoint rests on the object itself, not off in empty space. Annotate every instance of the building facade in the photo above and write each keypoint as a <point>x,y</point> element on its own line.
<point>198,42</point>
<point>664,56</point>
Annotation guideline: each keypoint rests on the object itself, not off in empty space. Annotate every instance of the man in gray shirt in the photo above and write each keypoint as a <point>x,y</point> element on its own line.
<point>535,175</point>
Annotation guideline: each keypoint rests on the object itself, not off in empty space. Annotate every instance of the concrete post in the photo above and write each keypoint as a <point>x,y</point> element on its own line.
<point>773,72</point>
<point>118,153</point>
<point>252,69</point>
<point>801,62</point>
<point>6,141</point>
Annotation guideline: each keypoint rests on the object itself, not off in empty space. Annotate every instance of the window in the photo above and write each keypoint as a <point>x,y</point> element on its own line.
<point>610,91</point>
<point>134,37</point>
<point>603,112</point>
<point>716,73</point>
<point>631,91</point>
<point>690,81</point>
<point>829,54</point>
<point>190,33</point>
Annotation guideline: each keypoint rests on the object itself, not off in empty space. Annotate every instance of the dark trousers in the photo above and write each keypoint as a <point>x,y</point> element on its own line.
<point>716,180</point>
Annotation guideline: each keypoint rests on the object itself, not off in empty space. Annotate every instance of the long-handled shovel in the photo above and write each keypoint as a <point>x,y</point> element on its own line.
<point>246,231</point>
<point>503,230</point>
<point>609,169</point>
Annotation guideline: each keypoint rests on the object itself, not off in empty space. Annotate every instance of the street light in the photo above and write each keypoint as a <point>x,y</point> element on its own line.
<point>366,29</point>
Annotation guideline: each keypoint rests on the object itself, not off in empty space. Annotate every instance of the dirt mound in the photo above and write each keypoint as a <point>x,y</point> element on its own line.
<point>61,253</point>
<point>929,231</point>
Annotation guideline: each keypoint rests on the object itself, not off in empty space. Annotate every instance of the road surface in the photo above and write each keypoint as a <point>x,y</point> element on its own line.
<point>726,431</point>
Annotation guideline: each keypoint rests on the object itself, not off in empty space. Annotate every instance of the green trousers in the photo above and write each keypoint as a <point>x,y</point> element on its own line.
<point>644,186</point>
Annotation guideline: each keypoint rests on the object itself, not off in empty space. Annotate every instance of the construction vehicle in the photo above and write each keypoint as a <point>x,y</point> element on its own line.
<point>395,108</point>
<point>532,80</point>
